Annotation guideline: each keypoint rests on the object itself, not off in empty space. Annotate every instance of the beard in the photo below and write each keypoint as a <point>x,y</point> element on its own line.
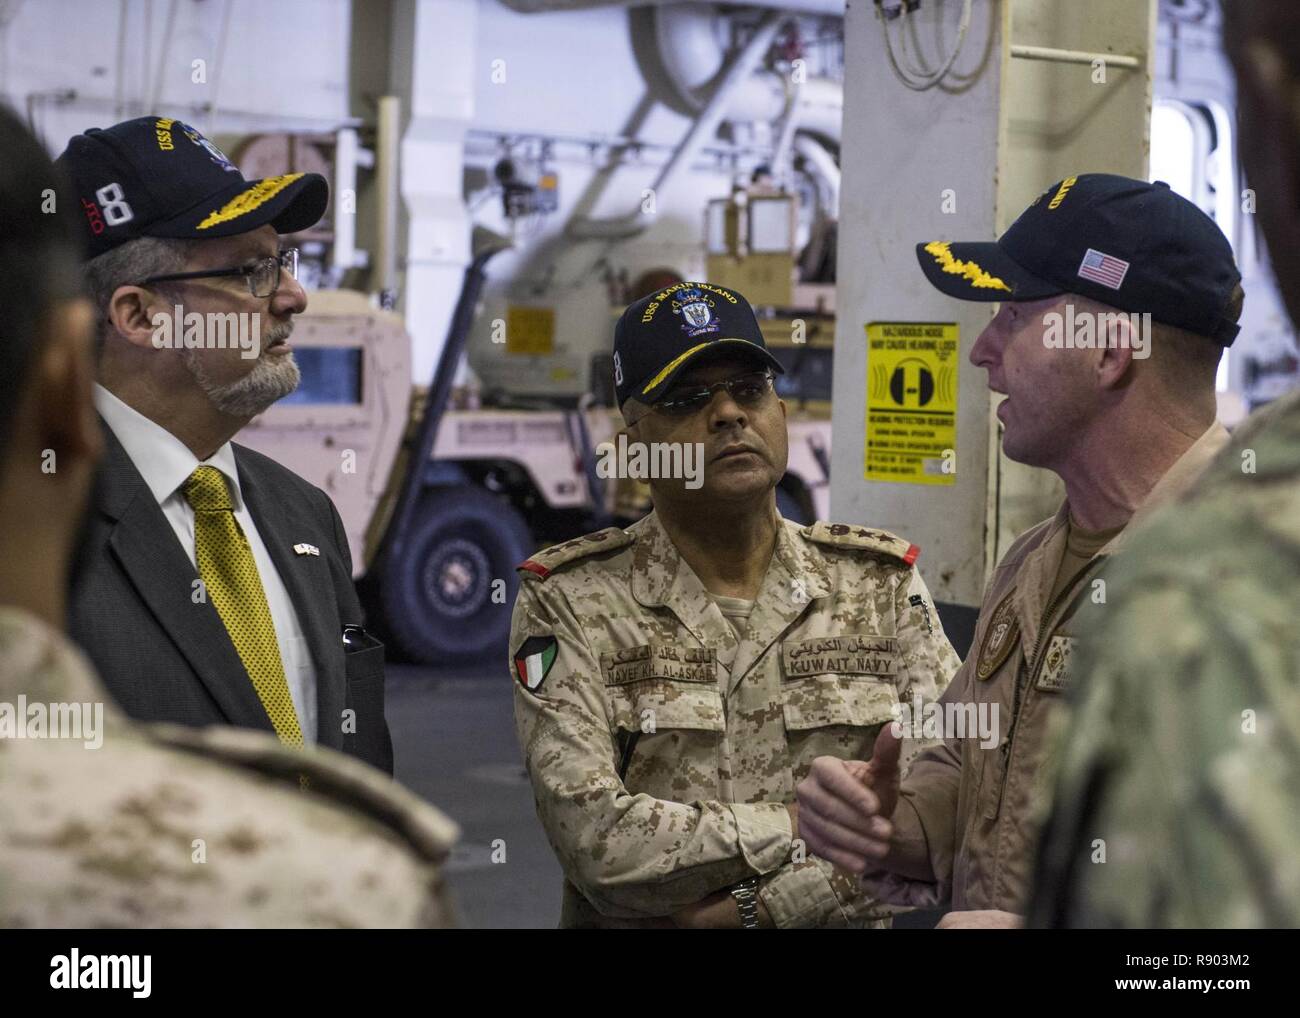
<point>271,379</point>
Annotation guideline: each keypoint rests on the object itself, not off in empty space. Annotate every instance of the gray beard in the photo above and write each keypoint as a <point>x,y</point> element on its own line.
<point>271,379</point>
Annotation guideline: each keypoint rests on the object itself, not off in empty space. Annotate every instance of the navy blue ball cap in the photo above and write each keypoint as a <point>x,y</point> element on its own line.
<point>159,177</point>
<point>1136,246</point>
<point>663,333</point>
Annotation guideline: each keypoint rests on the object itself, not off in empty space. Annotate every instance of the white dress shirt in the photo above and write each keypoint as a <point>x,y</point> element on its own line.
<point>165,462</point>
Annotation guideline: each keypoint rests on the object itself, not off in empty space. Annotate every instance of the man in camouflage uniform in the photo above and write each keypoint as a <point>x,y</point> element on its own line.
<point>1177,801</point>
<point>105,821</point>
<point>675,680</point>
<point>1128,426</point>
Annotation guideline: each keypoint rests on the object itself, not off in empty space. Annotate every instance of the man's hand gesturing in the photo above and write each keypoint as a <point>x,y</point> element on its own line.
<point>845,806</point>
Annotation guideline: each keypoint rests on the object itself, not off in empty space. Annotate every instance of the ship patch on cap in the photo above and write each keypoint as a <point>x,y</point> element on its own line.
<point>697,313</point>
<point>660,335</point>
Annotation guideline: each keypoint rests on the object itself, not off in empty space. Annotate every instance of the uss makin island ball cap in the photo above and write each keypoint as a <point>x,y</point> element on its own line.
<point>1133,245</point>
<point>663,333</point>
<point>159,177</point>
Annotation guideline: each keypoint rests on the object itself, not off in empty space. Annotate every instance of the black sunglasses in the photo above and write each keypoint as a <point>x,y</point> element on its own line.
<point>748,390</point>
<point>262,276</point>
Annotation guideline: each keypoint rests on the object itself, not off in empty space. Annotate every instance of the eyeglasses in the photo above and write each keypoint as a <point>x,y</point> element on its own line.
<point>748,390</point>
<point>262,276</point>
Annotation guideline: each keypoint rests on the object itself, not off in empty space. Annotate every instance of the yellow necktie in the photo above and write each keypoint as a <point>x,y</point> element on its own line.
<point>230,575</point>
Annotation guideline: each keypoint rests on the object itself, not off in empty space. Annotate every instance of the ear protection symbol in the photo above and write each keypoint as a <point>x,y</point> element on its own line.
<point>911,384</point>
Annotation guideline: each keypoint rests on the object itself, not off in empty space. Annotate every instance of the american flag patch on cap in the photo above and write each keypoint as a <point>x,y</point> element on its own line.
<point>1104,269</point>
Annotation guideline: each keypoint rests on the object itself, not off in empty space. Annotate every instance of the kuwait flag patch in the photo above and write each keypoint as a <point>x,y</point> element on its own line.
<point>533,661</point>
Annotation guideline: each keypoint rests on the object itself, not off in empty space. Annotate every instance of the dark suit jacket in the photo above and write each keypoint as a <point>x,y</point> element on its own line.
<point>165,658</point>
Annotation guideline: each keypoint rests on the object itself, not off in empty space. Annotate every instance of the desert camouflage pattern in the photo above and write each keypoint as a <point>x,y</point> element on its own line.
<point>180,827</point>
<point>1181,765</point>
<point>662,749</point>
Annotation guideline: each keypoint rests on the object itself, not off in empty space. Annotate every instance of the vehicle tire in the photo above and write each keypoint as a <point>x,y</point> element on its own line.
<point>438,600</point>
<point>789,505</point>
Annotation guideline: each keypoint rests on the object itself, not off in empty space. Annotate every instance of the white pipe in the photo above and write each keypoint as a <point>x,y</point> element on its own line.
<point>824,166</point>
<point>155,87</point>
<point>687,48</point>
<point>705,127</point>
<point>387,158</point>
<point>690,56</point>
<point>218,61</point>
<point>343,255</point>
<point>1073,56</point>
<point>781,155</point>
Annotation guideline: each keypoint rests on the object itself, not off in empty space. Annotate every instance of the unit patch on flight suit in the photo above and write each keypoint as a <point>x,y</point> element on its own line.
<point>1001,636</point>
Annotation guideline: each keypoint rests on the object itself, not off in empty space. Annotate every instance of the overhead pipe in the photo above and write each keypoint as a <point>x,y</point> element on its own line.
<point>823,167</point>
<point>703,129</point>
<point>680,57</point>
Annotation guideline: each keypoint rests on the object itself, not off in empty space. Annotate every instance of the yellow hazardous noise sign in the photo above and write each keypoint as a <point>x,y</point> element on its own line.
<point>912,402</point>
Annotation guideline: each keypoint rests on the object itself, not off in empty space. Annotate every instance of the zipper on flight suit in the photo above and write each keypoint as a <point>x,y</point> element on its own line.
<point>1029,667</point>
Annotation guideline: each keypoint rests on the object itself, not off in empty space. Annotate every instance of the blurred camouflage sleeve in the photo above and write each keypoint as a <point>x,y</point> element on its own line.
<point>629,855</point>
<point>812,892</point>
<point>1175,792</point>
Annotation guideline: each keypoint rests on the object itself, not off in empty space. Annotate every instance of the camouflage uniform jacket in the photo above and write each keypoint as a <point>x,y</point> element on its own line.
<point>161,825</point>
<point>968,814</point>
<point>662,750</point>
<point>1178,798</point>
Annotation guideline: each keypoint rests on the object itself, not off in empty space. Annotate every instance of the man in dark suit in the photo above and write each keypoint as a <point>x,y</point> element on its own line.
<point>216,585</point>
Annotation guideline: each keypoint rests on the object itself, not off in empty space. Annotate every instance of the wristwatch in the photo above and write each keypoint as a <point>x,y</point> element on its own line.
<point>746,895</point>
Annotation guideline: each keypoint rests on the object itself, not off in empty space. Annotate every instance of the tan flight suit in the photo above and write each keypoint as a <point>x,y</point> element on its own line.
<point>967,821</point>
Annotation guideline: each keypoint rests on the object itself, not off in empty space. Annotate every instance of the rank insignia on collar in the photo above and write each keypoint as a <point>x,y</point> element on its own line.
<point>1001,636</point>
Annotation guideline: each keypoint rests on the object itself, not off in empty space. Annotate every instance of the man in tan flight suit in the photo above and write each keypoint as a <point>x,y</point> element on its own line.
<point>1120,406</point>
<point>675,680</point>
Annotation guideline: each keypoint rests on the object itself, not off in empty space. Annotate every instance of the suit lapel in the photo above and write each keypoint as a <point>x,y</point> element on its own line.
<point>144,544</point>
<point>282,524</point>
